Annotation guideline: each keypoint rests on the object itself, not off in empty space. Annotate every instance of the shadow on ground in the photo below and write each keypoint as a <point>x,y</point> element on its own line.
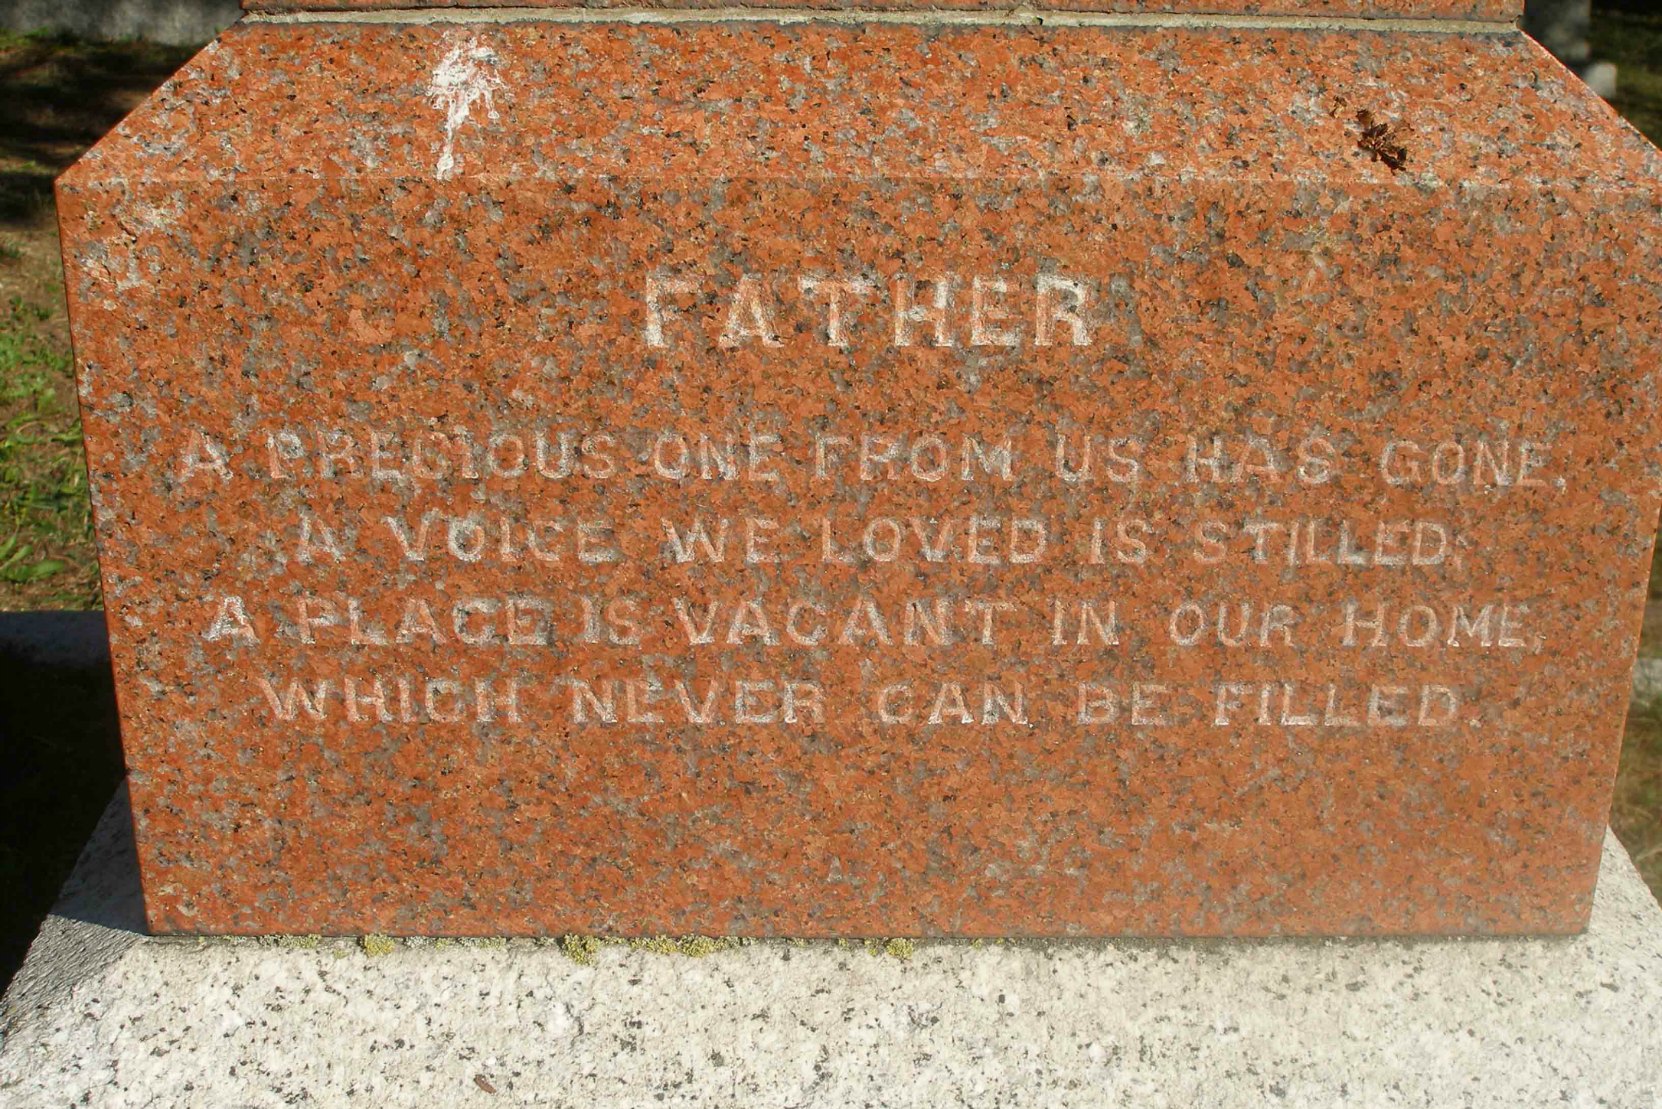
<point>58,97</point>
<point>60,751</point>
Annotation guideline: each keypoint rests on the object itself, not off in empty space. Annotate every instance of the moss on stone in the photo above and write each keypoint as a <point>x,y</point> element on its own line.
<point>483,941</point>
<point>583,949</point>
<point>697,947</point>
<point>376,945</point>
<point>897,947</point>
<point>658,945</point>
<point>304,943</point>
<point>580,949</point>
<point>694,947</point>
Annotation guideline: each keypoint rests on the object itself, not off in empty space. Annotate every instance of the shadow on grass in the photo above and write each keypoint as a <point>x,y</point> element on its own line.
<point>58,96</point>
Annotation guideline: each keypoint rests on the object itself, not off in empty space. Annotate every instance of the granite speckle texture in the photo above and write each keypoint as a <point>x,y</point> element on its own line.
<point>1481,1024</point>
<point>1496,10</point>
<point>411,355</point>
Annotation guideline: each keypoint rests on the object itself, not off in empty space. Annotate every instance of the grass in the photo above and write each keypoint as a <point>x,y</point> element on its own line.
<point>46,555</point>
<point>57,96</point>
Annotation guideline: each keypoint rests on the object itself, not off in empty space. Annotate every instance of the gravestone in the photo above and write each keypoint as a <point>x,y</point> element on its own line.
<point>1562,26</point>
<point>1109,470</point>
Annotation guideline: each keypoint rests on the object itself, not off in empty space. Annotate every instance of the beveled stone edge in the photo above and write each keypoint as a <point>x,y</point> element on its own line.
<point>949,17</point>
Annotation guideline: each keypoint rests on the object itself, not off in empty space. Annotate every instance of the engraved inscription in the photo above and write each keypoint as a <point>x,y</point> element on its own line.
<point>861,573</point>
<point>747,583</point>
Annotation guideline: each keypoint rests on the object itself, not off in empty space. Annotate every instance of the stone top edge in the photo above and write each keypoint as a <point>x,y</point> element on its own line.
<point>84,177</point>
<point>1496,11</point>
<point>88,182</point>
<point>612,102</point>
<point>989,16</point>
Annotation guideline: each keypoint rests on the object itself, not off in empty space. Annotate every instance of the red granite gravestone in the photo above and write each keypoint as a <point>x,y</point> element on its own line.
<point>930,475</point>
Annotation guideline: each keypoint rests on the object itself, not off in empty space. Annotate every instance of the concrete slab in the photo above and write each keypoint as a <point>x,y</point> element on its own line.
<point>103,1016</point>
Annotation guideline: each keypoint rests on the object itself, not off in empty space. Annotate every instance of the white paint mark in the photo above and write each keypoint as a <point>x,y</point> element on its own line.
<point>465,76</point>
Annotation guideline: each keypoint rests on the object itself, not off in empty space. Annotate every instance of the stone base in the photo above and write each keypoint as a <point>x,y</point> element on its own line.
<point>101,1015</point>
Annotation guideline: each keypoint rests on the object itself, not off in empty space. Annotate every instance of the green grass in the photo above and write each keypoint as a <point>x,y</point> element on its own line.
<point>45,518</point>
<point>57,97</point>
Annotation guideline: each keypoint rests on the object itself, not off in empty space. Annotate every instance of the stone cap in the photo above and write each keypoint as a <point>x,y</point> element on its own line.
<point>1208,114</point>
<point>1484,10</point>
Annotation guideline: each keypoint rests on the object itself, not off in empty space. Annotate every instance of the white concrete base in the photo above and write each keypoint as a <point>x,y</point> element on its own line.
<point>101,1016</point>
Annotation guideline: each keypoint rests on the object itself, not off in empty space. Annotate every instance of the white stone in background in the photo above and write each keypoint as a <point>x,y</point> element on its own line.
<point>1647,681</point>
<point>102,1017</point>
<point>173,22</point>
<point>1601,78</point>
